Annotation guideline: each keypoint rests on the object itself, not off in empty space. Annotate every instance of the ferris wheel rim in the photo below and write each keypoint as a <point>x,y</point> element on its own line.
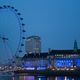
<point>20,25</point>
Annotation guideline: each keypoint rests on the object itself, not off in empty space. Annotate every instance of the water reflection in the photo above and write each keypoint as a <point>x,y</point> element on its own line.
<point>44,78</point>
<point>64,78</point>
<point>24,77</point>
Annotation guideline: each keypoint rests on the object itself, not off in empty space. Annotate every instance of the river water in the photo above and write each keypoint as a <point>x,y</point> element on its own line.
<point>25,77</point>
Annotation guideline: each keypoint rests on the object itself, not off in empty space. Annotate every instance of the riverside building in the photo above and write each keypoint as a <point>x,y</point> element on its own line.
<point>33,45</point>
<point>54,59</point>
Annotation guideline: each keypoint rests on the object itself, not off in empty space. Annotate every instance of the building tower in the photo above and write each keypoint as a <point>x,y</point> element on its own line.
<point>33,44</point>
<point>75,46</point>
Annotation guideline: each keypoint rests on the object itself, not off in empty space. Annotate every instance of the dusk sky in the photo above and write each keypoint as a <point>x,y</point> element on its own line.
<point>57,22</point>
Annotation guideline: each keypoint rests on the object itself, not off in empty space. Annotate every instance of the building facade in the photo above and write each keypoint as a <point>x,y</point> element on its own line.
<point>54,59</point>
<point>33,44</point>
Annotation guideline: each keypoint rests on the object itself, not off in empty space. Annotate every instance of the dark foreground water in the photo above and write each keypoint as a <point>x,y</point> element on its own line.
<point>23,77</point>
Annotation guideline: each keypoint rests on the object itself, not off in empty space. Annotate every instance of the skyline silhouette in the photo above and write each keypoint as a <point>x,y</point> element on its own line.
<point>56,22</point>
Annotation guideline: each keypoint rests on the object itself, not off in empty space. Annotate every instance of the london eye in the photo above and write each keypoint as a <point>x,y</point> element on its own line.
<point>12,32</point>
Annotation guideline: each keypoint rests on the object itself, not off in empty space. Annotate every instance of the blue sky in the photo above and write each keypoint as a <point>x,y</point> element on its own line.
<point>57,22</point>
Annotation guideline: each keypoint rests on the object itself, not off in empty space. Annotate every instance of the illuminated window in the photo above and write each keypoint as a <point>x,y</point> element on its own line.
<point>77,61</point>
<point>59,63</point>
<point>68,63</point>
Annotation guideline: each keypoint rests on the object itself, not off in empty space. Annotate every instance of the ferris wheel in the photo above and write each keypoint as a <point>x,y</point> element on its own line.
<point>12,32</point>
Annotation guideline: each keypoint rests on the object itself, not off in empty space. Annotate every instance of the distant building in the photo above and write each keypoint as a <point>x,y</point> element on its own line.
<point>33,44</point>
<point>75,46</point>
<point>54,59</point>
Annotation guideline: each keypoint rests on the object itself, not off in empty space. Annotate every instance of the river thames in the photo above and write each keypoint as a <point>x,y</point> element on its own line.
<point>25,77</point>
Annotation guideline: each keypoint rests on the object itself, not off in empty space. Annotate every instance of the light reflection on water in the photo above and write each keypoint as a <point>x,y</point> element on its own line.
<point>44,78</point>
<point>22,77</point>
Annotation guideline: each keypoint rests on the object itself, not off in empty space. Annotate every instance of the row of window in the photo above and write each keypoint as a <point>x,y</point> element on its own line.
<point>58,63</point>
<point>67,63</point>
<point>64,56</point>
